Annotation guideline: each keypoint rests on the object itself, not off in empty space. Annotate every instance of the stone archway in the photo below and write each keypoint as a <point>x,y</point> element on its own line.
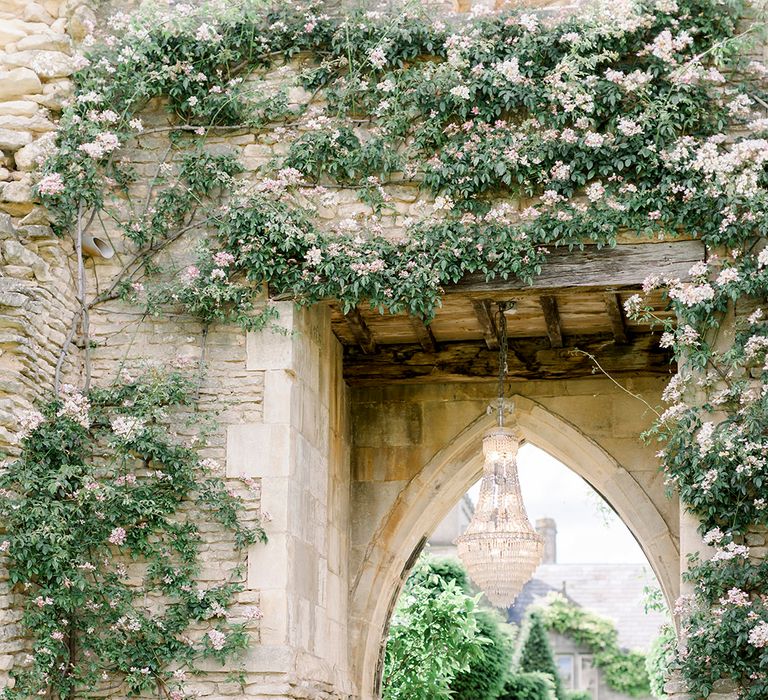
<point>426,498</point>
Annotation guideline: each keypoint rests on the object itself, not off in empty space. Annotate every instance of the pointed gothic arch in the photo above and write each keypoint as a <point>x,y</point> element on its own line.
<point>429,495</point>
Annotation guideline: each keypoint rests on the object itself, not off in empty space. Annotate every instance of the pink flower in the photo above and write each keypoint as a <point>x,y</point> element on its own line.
<point>57,635</point>
<point>253,613</point>
<point>190,275</point>
<point>217,639</point>
<point>117,536</point>
<point>51,184</point>
<point>223,258</point>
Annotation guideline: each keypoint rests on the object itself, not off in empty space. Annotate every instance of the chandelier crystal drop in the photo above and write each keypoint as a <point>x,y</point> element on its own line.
<point>500,549</point>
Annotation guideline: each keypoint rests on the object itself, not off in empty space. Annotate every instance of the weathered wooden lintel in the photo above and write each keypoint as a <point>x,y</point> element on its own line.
<point>623,266</point>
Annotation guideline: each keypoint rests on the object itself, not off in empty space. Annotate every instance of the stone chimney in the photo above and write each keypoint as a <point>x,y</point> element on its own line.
<point>547,528</point>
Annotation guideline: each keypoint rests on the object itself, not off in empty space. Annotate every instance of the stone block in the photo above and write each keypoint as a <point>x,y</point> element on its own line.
<point>29,156</point>
<point>13,140</point>
<point>47,64</point>
<point>18,82</point>
<point>281,398</point>
<point>268,564</point>
<point>268,349</point>
<point>18,108</point>
<point>11,31</point>
<point>258,449</point>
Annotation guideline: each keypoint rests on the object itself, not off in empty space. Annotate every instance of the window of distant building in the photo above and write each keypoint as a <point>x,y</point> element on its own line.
<point>566,669</point>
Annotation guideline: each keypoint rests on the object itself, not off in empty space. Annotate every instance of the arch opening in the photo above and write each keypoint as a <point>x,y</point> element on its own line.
<point>442,482</point>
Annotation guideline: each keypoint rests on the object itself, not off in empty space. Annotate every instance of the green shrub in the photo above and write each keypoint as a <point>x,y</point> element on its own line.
<point>578,695</point>
<point>434,635</point>
<point>535,652</point>
<point>486,676</point>
<point>529,686</point>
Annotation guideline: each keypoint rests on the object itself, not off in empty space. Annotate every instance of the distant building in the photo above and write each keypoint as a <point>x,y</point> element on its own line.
<point>614,591</point>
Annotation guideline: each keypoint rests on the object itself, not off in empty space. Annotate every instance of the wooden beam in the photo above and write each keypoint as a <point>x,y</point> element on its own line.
<point>530,358</point>
<point>423,334</point>
<point>622,266</point>
<point>616,316</point>
<point>552,319</point>
<point>360,330</point>
<point>484,315</point>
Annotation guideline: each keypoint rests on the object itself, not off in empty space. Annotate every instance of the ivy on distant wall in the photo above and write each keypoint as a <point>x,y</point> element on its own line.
<point>624,671</point>
<point>618,118</point>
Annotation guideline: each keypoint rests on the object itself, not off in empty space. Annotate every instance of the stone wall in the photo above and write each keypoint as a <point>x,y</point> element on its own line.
<point>36,291</point>
<point>353,481</point>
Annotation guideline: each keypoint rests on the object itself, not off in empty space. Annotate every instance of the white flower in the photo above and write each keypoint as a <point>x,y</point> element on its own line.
<point>633,305</point>
<point>758,636</point>
<point>595,191</point>
<point>560,171</point>
<point>460,91</point>
<point>593,139</point>
<point>731,551</point>
<point>377,57</point>
<point>127,427</point>
<point>692,294</point>
<point>29,421</point>
<point>510,70</point>
<point>118,536</point>
<point>714,536</point>
<point>704,438</point>
<point>75,406</point>
<point>205,32</point>
<point>629,127</point>
<point>727,276</point>
<point>529,22</point>
<point>762,258</point>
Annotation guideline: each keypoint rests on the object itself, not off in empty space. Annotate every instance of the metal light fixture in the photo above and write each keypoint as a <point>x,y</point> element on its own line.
<point>500,549</point>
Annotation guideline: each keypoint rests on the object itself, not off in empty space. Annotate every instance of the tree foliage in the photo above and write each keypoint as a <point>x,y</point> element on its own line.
<point>433,636</point>
<point>535,651</point>
<point>529,686</point>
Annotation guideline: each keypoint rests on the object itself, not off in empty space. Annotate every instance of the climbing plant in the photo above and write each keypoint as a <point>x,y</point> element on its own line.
<point>99,536</point>
<point>617,119</point>
<point>624,671</point>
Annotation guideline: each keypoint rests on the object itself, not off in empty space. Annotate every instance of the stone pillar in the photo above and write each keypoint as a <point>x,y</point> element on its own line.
<point>299,451</point>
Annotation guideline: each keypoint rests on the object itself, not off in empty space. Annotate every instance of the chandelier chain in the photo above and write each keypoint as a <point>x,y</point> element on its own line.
<point>501,325</point>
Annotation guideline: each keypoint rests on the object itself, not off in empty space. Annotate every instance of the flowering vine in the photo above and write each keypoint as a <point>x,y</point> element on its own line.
<point>99,535</point>
<point>529,132</point>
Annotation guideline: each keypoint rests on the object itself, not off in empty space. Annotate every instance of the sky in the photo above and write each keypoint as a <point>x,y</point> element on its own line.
<point>588,531</point>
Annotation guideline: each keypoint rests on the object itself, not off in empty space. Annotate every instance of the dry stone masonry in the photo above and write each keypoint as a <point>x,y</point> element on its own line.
<point>352,480</point>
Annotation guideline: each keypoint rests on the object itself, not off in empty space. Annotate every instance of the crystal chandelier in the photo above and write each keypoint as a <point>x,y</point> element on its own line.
<point>500,549</point>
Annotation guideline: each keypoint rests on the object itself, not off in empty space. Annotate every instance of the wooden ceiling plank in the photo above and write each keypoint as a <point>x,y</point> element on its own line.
<point>474,361</point>
<point>423,333</point>
<point>552,319</point>
<point>484,315</point>
<point>616,316</point>
<point>360,331</point>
